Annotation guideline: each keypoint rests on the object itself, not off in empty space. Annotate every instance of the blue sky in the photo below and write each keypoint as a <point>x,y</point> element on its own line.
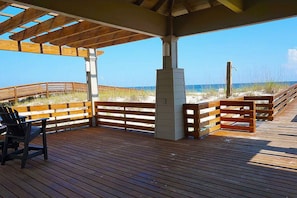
<point>259,53</point>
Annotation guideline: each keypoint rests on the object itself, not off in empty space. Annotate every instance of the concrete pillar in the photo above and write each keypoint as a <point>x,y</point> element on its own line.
<point>92,81</point>
<point>170,94</point>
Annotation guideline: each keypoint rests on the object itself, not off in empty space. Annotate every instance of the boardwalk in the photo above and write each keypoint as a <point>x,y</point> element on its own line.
<point>99,162</point>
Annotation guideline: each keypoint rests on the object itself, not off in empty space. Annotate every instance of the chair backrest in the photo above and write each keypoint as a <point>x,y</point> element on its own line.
<point>13,121</point>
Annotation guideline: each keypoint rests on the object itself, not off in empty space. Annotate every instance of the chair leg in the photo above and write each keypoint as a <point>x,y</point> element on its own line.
<point>25,154</point>
<point>4,151</point>
<point>45,156</point>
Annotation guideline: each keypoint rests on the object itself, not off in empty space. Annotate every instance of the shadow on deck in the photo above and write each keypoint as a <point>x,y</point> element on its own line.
<point>100,162</point>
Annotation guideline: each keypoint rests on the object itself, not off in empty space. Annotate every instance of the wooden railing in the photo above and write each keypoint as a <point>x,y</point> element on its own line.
<point>264,106</point>
<point>126,115</point>
<point>238,115</point>
<point>201,119</point>
<point>281,100</point>
<point>62,117</point>
<point>204,118</point>
<point>37,89</point>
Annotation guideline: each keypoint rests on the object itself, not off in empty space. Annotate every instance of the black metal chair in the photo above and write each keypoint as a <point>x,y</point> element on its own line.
<point>11,144</point>
<point>21,131</point>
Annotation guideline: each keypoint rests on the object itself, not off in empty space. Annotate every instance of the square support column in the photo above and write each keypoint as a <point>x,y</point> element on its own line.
<point>170,97</point>
<point>92,80</point>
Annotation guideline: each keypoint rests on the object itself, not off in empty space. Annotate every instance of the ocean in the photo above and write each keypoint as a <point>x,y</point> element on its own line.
<point>203,87</point>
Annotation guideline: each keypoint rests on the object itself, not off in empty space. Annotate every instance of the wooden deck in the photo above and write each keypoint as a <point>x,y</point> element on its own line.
<point>100,162</point>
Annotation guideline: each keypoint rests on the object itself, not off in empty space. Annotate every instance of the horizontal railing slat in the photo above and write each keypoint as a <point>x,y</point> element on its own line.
<point>61,116</point>
<point>126,115</point>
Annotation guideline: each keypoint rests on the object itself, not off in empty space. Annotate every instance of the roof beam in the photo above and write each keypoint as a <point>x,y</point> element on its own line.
<point>187,6</point>
<point>115,13</point>
<point>108,37</point>
<point>42,27</point>
<point>3,5</point>
<point>43,49</point>
<point>65,32</point>
<point>234,5</point>
<point>139,2</point>
<point>120,41</point>
<point>20,19</point>
<point>158,5</point>
<point>87,35</point>
<point>256,11</point>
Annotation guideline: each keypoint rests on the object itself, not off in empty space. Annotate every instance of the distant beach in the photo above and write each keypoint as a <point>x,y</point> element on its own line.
<point>205,87</point>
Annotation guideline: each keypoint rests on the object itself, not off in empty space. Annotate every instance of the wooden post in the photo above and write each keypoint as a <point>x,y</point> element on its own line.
<point>15,95</point>
<point>47,90</point>
<point>229,80</point>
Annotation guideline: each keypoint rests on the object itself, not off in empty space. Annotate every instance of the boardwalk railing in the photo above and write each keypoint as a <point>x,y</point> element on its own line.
<point>126,115</point>
<point>37,89</point>
<point>199,119</point>
<point>241,113</point>
<point>281,100</point>
<point>204,118</point>
<point>62,117</point>
<point>238,115</point>
<point>264,106</point>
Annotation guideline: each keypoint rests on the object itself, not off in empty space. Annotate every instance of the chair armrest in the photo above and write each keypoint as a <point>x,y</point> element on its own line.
<point>36,120</point>
<point>42,121</point>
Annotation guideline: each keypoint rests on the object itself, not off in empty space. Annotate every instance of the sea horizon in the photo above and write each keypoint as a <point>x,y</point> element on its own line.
<point>203,87</point>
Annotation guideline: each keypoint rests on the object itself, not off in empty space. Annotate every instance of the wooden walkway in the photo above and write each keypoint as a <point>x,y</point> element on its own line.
<point>100,162</point>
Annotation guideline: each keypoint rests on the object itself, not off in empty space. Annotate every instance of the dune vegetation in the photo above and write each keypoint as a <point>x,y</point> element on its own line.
<point>118,94</point>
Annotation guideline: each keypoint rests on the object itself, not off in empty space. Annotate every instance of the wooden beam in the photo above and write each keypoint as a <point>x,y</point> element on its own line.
<point>65,32</point>
<point>42,27</point>
<point>234,5</point>
<point>102,39</point>
<point>43,49</point>
<point>158,5</point>
<point>120,41</point>
<point>139,2</point>
<point>3,5</point>
<point>87,35</point>
<point>116,13</point>
<point>220,17</point>
<point>20,19</point>
<point>187,6</point>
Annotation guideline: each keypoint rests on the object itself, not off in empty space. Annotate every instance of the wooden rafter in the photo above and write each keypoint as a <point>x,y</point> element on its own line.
<point>187,6</point>
<point>108,37</point>
<point>93,33</point>
<point>43,49</point>
<point>120,41</point>
<point>42,27</point>
<point>211,3</point>
<point>139,2</point>
<point>65,32</point>
<point>158,5</point>
<point>3,5</point>
<point>234,5</point>
<point>20,19</point>
<point>111,22</point>
<point>116,13</point>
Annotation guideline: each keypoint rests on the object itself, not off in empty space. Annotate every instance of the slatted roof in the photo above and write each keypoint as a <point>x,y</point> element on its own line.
<point>22,23</point>
<point>76,25</point>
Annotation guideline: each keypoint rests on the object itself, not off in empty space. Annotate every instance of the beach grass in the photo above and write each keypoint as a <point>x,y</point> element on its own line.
<point>117,94</point>
<point>112,94</point>
<point>265,88</point>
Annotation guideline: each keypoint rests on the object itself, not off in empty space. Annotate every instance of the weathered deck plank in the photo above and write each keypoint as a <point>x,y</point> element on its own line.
<point>100,162</point>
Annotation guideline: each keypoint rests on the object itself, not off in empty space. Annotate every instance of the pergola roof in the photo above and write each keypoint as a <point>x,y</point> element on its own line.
<point>75,25</point>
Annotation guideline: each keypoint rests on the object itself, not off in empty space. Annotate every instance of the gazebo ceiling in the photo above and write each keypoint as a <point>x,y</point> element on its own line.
<point>101,23</point>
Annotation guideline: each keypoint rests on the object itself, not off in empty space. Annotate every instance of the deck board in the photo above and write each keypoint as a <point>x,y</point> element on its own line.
<point>101,162</point>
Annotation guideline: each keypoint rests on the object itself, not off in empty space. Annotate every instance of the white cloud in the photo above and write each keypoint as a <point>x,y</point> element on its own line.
<point>292,59</point>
